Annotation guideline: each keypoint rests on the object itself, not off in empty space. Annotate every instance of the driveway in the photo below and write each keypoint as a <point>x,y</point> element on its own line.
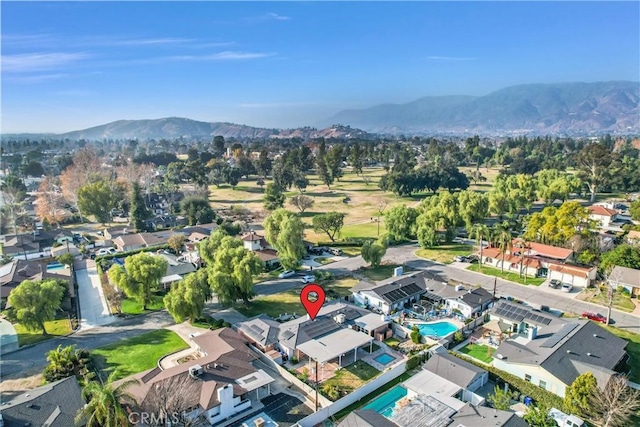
<point>94,310</point>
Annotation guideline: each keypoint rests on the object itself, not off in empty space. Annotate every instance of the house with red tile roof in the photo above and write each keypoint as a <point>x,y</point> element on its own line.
<point>603,215</point>
<point>258,245</point>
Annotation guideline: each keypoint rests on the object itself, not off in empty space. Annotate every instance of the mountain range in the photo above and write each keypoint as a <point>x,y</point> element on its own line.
<point>562,108</point>
<point>531,108</point>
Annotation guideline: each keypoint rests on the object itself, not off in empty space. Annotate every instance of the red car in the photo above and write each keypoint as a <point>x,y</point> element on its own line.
<point>596,317</point>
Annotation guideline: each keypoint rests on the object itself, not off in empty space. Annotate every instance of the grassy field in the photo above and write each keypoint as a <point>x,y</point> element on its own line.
<point>633,349</point>
<point>55,328</point>
<point>383,271</point>
<point>481,352</point>
<point>137,354</point>
<point>514,277</point>
<point>132,307</point>
<point>445,253</point>
<point>620,301</point>
<point>348,379</point>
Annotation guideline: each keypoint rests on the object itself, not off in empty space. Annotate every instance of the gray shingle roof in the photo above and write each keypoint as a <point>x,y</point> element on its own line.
<point>62,397</point>
<point>482,416</point>
<point>625,276</point>
<point>476,297</point>
<point>366,418</point>
<point>261,329</point>
<point>457,371</point>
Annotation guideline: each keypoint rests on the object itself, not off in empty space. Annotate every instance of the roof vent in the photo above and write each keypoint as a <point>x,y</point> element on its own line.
<point>588,354</point>
<point>595,335</point>
<point>568,351</point>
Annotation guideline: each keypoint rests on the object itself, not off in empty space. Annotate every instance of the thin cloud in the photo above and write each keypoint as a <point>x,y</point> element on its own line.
<point>269,16</point>
<point>38,78</point>
<point>33,62</point>
<point>450,58</point>
<point>222,56</point>
<point>272,15</point>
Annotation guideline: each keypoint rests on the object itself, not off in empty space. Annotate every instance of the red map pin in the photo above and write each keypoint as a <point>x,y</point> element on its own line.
<point>312,306</point>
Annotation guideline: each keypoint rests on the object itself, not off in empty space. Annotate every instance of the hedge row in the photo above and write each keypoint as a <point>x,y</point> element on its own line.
<point>538,394</point>
<point>133,252</point>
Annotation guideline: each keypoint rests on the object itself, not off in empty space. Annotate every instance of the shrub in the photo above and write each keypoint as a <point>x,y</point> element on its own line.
<point>323,275</point>
<point>133,252</point>
<point>413,362</point>
<point>458,337</point>
<point>415,335</point>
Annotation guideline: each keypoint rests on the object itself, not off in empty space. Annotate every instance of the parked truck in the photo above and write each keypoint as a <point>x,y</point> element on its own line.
<point>565,420</point>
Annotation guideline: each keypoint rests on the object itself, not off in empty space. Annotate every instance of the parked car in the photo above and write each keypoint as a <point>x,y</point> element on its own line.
<point>596,317</point>
<point>335,251</point>
<point>308,279</point>
<point>473,259</point>
<point>105,251</point>
<point>286,274</point>
<point>566,287</point>
<point>555,283</point>
<point>460,258</point>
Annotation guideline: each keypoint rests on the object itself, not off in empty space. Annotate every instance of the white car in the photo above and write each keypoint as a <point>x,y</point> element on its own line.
<point>308,279</point>
<point>106,251</point>
<point>566,287</point>
<point>286,274</point>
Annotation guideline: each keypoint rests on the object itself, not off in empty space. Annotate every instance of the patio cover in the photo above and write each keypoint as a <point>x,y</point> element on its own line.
<point>333,345</point>
<point>497,326</point>
<point>170,279</point>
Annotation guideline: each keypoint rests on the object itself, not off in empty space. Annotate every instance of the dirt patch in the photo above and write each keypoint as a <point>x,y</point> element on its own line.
<point>186,359</point>
<point>13,386</point>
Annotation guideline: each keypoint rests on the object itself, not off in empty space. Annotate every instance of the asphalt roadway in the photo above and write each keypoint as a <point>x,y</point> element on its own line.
<point>30,358</point>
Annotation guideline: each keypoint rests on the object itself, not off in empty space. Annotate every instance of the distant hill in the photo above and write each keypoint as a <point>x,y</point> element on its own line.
<point>176,127</point>
<point>531,108</point>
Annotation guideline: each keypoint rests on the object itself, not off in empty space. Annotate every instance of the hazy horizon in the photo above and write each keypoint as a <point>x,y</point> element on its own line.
<point>70,66</point>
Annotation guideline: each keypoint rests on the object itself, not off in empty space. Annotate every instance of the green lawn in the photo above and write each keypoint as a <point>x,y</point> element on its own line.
<point>348,379</point>
<point>351,250</point>
<point>633,349</point>
<point>341,287</point>
<point>367,229</point>
<point>130,306</point>
<point>481,352</point>
<point>445,253</point>
<point>273,274</point>
<point>514,277</point>
<point>620,301</point>
<point>381,272</point>
<point>323,261</point>
<point>55,328</point>
<point>392,342</point>
<point>137,354</point>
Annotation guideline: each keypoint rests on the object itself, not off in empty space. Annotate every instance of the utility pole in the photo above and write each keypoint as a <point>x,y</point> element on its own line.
<point>495,285</point>
<point>316,382</point>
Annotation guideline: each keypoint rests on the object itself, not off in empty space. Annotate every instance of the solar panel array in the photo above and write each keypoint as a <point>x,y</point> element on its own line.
<point>559,336</point>
<point>518,314</point>
<point>320,327</point>
<point>433,297</point>
<point>402,292</point>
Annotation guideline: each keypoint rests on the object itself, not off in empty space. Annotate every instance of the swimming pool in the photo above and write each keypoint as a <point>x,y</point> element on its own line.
<point>54,266</point>
<point>437,329</point>
<point>384,404</point>
<point>384,359</point>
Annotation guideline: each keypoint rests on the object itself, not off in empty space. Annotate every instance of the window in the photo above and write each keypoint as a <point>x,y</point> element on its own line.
<point>527,377</point>
<point>379,304</point>
<point>543,384</point>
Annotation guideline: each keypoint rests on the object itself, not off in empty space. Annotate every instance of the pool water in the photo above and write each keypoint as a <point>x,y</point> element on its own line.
<point>384,359</point>
<point>384,404</point>
<point>54,266</point>
<point>438,329</point>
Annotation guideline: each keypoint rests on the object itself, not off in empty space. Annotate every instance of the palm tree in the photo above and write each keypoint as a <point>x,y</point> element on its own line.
<point>504,240</point>
<point>104,403</point>
<point>479,232</point>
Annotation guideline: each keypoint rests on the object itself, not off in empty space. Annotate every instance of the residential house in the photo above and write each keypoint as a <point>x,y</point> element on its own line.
<point>551,352</point>
<point>258,245</point>
<point>470,302</point>
<point>465,375</point>
<point>633,237</point>
<point>176,268</point>
<point>540,260</point>
<point>366,418</point>
<point>20,245</point>
<point>392,294</point>
<point>477,416</point>
<point>17,271</point>
<point>628,278</point>
<point>602,215</point>
<point>221,384</point>
<point>52,405</point>
<point>164,222</point>
<point>129,242</point>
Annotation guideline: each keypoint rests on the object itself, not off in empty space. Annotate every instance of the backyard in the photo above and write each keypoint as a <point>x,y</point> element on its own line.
<point>513,277</point>
<point>132,307</point>
<point>348,379</point>
<point>55,328</point>
<point>133,355</point>
<point>445,253</point>
<point>481,352</point>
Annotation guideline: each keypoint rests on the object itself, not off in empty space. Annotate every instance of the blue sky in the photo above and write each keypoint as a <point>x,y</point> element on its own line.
<point>67,66</point>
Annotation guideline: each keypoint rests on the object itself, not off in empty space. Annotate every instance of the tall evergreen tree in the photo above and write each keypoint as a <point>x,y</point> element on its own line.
<point>139,212</point>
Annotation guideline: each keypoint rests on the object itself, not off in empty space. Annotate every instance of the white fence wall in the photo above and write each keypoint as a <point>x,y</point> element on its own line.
<point>358,394</point>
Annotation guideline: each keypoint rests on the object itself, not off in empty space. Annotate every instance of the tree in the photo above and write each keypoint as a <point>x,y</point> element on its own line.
<point>400,222</point>
<point>634,210</point>
<point>96,199</point>
<point>500,399</point>
<point>66,259</point>
<point>85,165</point>
<point>140,277</point>
<point>230,267</point>
<point>186,298</point>
<point>50,201</point>
<point>176,242</point>
<point>263,164</point>
<point>273,197</point>
<point>197,210</point>
<point>13,194</point>
<point>557,225</point>
<point>138,210</point>
<point>104,403</point>
<point>218,144</point>
<point>36,302</point>
<point>505,239</point>
<point>356,158</point>
<point>623,255</point>
<point>34,169</point>
<point>415,335</point>
<point>285,231</point>
<point>538,416</point>
<point>577,398</point>
<point>373,252</point>
<point>479,232</point>
<point>301,202</point>
<point>593,166</point>
<point>330,223</point>
<point>64,362</point>
<point>170,406</point>
<point>616,404</point>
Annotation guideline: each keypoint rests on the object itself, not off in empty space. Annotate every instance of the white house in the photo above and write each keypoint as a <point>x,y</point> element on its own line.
<point>469,302</point>
<point>390,295</point>
<point>629,278</point>
<point>258,245</point>
<point>603,215</point>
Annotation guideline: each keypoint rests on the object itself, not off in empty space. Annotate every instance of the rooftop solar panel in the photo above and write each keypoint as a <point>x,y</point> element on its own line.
<point>554,339</point>
<point>412,288</point>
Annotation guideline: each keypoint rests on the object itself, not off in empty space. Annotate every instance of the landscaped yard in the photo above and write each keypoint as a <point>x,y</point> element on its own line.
<point>55,328</point>
<point>620,301</point>
<point>445,253</point>
<point>383,271</point>
<point>514,277</point>
<point>130,306</point>
<point>348,379</point>
<point>323,260</point>
<point>137,354</point>
<point>341,287</point>
<point>481,352</point>
<point>633,349</point>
